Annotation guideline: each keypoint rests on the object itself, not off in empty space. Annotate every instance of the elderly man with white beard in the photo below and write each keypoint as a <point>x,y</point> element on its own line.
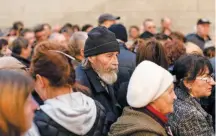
<point>99,70</point>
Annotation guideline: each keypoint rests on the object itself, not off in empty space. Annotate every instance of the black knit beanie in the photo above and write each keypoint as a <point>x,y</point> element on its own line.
<point>100,40</point>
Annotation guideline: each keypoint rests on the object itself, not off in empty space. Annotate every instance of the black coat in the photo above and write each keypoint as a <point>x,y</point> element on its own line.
<point>127,64</point>
<point>89,78</point>
<point>47,127</point>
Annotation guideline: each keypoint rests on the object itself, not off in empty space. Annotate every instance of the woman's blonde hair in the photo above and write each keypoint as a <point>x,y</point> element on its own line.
<point>15,88</point>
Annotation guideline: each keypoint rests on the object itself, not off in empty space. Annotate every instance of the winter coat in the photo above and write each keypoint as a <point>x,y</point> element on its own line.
<point>196,39</point>
<point>101,92</point>
<point>189,118</point>
<point>137,123</point>
<point>69,114</point>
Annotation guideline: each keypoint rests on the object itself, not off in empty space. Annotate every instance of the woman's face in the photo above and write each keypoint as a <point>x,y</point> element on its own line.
<point>164,103</point>
<point>29,108</point>
<point>202,85</point>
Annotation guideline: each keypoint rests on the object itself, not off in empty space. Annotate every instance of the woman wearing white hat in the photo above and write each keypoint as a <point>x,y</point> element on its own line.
<point>150,97</point>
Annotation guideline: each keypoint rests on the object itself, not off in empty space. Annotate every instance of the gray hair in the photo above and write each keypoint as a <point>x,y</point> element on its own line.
<point>77,42</point>
<point>86,63</point>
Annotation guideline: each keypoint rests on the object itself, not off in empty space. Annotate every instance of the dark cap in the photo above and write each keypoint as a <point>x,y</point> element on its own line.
<point>203,21</point>
<point>100,40</point>
<point>107,16</point>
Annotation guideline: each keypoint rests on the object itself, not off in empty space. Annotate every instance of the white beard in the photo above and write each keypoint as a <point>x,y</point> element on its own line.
<point>109,78</point>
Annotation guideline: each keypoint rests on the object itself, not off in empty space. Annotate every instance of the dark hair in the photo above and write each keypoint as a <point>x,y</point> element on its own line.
<point>86,26</point>
<point>24,31</point>
<point>17,25</point>
<point>153,51</point>
<point>162,36</point>
<point>54,66</point>
<point>174,49</point>
<point>76,27</point>
<point>209,52</point>
<point>69,25</point>
<point>18,44</point>
<point>65,29</point>
<point>178,35</point>
<point>3,42</point>
<point>38,28</point>
<point>189,66</point>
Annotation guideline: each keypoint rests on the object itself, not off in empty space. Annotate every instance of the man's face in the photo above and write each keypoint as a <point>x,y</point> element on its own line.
<point>41,36</point>
<point>106,66</point>
<point>203,29</point>
<point>30,36</point>
<point>150,27</point>
<point>47,30</point>
<point>167,24</point>
<point>108,23</point>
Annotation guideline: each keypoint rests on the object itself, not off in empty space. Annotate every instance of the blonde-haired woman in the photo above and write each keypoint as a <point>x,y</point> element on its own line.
<point>16,103</point>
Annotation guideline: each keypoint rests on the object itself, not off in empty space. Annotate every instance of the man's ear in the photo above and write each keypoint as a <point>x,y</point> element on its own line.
<point>91,59</point>
<point>82,52</point>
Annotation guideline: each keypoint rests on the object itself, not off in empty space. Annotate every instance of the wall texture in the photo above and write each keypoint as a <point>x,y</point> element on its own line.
<point>184,13</point>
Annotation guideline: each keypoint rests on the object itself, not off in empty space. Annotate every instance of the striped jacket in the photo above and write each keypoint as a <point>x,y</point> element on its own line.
<point>189,118</point>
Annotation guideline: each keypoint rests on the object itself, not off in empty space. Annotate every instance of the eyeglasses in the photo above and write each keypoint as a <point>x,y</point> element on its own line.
<point>207,79</point>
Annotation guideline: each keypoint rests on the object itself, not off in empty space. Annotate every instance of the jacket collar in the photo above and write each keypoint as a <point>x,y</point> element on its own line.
<point>95,81</point>
<point>202,38</point>
<point>182,94</point>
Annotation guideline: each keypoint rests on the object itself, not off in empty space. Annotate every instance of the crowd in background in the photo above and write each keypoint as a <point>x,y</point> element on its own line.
<point>107,80</point>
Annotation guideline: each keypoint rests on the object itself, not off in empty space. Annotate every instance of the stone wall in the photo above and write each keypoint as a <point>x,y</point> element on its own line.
<point>184,13</point>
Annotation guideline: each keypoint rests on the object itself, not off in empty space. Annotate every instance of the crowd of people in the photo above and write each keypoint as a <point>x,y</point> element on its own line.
<point>107,80</point>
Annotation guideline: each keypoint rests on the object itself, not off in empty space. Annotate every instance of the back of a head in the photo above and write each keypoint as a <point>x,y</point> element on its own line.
<point>162,37</point>
<point>189,66</point>
<point>18,44</point>
<point>69,25</point>
<point>153,51</point>
<point>120,32</point>
<point>54,66</point>
<point>192,48</point>
<point>209,52</point>
<point>85,27</point>
<point>18,25</point>
<point>75,28</point>
<point>178,35</point>
<point>15,89</point>
<point>174,49</point>
<point>24,31</point>
<point>77,42</point>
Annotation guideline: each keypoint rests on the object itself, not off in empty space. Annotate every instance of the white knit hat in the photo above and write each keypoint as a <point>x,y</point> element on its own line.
<point>148,82</point>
